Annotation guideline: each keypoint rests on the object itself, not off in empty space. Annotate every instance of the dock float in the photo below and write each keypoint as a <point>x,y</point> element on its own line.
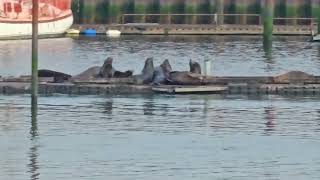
<point>184,29</point>
<point>291,83</point>
<point>9,88</point>
<point>190,89</point>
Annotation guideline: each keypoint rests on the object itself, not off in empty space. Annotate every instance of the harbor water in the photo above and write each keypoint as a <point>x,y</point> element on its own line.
<point>230,55</point>
<point>174,137</point>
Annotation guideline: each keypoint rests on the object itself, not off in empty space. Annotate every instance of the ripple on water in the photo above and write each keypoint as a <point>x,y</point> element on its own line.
<point>231,55</point>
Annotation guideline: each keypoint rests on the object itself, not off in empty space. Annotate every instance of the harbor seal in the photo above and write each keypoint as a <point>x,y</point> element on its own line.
<point>195,67</point>
<point>58,77</point>
<point>161,73</point>
<point>88,74</point>
<point>106,71</point>
<point>294,77</point>
<point>147,73</point>
<point>186,78</point>
<point>119,74</point>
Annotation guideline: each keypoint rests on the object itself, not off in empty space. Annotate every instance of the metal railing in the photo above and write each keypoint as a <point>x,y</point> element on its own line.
<point>244,19</point>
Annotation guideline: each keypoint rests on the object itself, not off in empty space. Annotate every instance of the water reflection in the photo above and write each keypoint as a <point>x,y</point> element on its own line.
<point>149,106</point>
<point>33,151</point>
<point>108,107</point>
<point>267,47</point>
<point>270,116</point>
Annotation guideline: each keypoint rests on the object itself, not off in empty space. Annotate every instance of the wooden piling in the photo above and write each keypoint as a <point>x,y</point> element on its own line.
<point>190,7</point>
<point>114,11</point>
<point>140,7</point>
<point>241,8</point>
<point>89,12</point>
<point>316,12</point>
<point>267,15</point>
<point>292,11</point>
<point>34,84</point>
<point>220,11</point>
<point>165,8</point>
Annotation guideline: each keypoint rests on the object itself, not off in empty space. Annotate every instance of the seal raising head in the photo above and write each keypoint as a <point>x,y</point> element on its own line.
<point>195,67</point>
<point>162,73</point>
<point>107,70</point>
<point>147,73</point>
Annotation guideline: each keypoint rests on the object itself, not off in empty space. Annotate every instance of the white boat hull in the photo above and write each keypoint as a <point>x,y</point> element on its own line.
<point>54,27</point>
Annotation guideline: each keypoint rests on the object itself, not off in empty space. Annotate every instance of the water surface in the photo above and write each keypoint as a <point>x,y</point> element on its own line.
<point>160,137</point>
<point>231,55</point>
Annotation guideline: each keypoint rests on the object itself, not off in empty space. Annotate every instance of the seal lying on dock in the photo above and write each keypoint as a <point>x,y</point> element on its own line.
<point>147,73</point>
<point>161,73</point>
<point>106,71</point>
<point>58,77</point>
<point>294,77</point>
<point>193,77</point>
<point>186,78</point>
<point>88,74</point>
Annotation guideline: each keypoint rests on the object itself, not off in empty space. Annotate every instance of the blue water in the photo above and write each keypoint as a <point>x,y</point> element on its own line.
<point>231,55</point>
<point>160,137</point>
<point>127,137</point>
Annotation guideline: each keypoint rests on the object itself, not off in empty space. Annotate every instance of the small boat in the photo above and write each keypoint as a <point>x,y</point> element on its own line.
<point>315,37</point>
<point>113,33</point>
<point>55,17</point>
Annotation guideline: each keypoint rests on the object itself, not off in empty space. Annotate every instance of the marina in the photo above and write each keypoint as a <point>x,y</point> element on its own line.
<point>159,89</point>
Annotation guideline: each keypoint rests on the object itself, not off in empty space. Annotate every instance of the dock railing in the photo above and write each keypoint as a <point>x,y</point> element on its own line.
<point>217,19</point>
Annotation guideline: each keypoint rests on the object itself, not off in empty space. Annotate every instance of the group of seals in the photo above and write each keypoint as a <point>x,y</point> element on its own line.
<point>107,71</point>
<point>192,77</point>
<point>161,74</point>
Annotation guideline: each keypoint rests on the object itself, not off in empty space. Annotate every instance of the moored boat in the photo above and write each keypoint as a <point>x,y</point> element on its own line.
<point>55,17</point>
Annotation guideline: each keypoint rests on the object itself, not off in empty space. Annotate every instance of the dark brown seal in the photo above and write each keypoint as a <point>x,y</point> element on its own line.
<point>58,77</point>
<point>147,73</point>
<point>162,73</point>
<point>106,71</point>
<point>186,78</point>
<point>195,67</point>
<point>88,74</point>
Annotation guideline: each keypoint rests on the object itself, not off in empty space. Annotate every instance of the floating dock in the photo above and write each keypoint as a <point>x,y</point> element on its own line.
<point>183,29</point>
<point>291,83</point>
<point>8,88</point>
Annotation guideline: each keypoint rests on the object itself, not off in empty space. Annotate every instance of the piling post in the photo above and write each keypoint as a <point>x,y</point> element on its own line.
<point>89,12</point>
<point>165,8</point>
<point>114,11</point>
<point>241,8</point>
<point>267,15</point>
<point>34,70</point>
<point>140,7</point>
<point>316,12</point>
<point>292,11</point>
<point>220,11</point>
<point>190,7</point>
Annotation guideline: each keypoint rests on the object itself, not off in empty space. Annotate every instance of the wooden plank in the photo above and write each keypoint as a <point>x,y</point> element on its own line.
<point>190,89</point>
